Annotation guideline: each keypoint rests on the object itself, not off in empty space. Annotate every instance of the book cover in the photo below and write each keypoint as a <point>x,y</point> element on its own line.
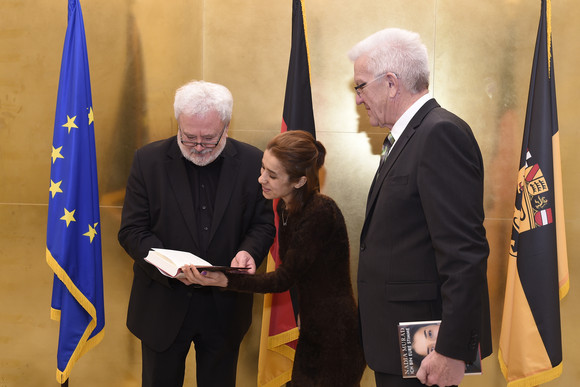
<point>416,340</point>
<point>170,262</point>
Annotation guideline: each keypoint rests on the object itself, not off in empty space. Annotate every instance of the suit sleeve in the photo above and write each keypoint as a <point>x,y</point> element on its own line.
<point>451,190</point>
<point>260,234</point>
<point>308,242</point>
<point>135,232</point>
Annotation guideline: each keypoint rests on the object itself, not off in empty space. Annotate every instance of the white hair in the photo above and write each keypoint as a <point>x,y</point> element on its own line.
<point>200,98</point>
<point>397,51</point>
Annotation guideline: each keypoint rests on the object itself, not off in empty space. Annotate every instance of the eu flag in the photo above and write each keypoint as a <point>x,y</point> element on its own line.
<point>530,344</point>
<point>73,240</point>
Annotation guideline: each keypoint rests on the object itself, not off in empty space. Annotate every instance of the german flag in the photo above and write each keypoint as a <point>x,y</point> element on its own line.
<point>279,329</point>
<point>530,346</point>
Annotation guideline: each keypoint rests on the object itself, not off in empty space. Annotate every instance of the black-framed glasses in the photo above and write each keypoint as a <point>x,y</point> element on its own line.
<point>193,144</point>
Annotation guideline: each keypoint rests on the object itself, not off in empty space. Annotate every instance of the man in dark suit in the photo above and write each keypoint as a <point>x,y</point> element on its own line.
<point>197,192</point>
<point>423,250</point>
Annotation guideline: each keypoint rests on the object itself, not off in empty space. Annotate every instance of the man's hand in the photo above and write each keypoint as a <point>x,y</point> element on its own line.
<point>440,370</point>
<point>244,259</point>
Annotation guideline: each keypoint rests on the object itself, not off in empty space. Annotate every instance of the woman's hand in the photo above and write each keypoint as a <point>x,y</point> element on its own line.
<point>204,278</point>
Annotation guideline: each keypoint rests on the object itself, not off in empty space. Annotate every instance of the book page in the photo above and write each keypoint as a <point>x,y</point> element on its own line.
<point>181,258</point>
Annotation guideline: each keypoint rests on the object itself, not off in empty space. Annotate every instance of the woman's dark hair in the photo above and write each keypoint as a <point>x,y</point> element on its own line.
<point>300,155</point>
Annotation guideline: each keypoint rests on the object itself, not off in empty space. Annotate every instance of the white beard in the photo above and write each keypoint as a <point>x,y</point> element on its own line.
<point>203,158</point>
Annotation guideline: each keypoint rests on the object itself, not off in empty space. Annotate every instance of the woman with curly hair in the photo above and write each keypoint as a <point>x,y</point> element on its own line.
<point>314,254</point>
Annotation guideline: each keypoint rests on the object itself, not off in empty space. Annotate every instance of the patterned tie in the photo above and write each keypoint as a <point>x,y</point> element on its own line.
<point>387,145</point>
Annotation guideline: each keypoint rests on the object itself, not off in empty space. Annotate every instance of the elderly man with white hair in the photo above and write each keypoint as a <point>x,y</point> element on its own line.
<point>423,249</point>
<point>197,191</point>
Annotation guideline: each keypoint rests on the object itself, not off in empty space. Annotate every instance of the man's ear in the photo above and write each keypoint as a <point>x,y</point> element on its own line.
<point>392,84</point>
<point>300,182</point>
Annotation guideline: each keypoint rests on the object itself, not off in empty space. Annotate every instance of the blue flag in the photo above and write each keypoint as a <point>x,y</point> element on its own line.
<point>73,240</point>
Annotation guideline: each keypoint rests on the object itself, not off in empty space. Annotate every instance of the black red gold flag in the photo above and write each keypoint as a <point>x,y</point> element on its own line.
<point>298,113</point>
<point>279,328</point>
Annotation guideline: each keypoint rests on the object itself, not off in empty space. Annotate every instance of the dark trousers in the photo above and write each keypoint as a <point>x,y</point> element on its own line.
<point>389,380</point>
<point>215,354</point>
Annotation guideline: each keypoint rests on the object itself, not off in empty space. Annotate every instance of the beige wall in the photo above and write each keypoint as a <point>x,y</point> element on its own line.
<point>140,51</point>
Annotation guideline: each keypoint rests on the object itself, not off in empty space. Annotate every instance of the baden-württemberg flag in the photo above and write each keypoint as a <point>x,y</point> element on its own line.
<point>279,328</point>
<point>73,242</point>
<point>530,347</point>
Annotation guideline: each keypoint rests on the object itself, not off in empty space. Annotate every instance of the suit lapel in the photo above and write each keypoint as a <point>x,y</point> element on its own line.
<point>226,185</point>
<point>398,148</point>
<point>389,162</point>
<point>179,182</point>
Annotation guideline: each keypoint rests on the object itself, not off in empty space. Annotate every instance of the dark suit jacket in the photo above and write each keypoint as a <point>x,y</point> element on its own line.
<point>159,212</point>
<point>423,247</point>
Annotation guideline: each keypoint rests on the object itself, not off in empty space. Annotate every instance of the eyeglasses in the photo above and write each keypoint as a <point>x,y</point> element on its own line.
<point>193,144</point>
<point>359,88</point>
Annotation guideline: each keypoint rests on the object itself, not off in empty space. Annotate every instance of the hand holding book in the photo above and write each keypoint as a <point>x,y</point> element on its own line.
<point>440,370</point>
<point>171,262</point>
<point>203,277</point>
<point>417,346</point>
<point>244,259</point>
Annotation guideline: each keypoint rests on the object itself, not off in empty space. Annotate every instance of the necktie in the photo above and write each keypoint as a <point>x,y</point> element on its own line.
<point>387,145</point>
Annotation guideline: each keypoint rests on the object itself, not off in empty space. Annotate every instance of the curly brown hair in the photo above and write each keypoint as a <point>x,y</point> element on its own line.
<point>300,155</point>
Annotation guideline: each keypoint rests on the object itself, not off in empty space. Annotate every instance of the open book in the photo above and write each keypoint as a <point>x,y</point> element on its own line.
<point>416,340</point>
<point>170,262</point>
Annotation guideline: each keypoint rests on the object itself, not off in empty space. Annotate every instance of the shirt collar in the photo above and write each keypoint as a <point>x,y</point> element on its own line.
<point>404,120</point>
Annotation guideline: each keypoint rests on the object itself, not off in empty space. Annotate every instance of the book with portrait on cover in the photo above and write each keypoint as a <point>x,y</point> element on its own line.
<point>170,262</point>
<point>416,340</point>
